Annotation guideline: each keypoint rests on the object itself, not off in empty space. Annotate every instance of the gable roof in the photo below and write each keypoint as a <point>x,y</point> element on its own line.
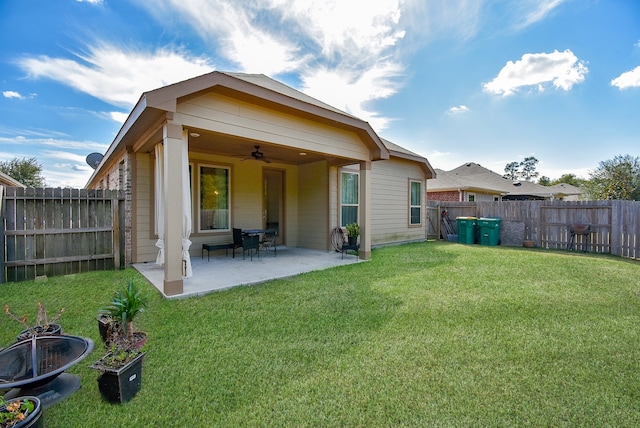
<point>401,152</point>
<point>156,105</point>
<point>474,177</point>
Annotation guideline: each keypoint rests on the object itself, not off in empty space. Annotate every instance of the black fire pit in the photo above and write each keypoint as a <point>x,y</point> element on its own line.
<point>36,367</point>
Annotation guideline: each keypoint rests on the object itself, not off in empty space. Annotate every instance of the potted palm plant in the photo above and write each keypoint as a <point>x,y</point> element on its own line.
<point>43,326</point>
<point>353,230</point>
<point>21,412</point>
<point>121,365</point>
<point>116,319</point>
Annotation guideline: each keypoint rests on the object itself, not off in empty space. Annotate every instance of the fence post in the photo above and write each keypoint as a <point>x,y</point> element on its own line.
<point>3,277</point>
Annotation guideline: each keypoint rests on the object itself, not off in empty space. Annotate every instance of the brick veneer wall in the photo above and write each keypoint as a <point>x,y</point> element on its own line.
<point>450,196</point>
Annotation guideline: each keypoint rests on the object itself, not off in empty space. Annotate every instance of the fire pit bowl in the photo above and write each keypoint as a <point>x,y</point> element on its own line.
<point>31,366</point>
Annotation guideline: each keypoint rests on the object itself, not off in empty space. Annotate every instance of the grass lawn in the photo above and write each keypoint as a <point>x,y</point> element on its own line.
<point>430,334</point>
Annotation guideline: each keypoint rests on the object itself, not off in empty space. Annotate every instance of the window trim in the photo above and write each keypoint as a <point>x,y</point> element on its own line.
<point>412,206</point>
<point>357,174</point>
<point>198,206</point>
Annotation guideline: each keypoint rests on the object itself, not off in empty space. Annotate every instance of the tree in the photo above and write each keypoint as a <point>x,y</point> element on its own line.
<point>528,166</point>
<point>511,171</point>
<point>26,170</point>
<point>525,170</point>
<point>617,178</point>
<point>544,181</point>
<point>569,179</point>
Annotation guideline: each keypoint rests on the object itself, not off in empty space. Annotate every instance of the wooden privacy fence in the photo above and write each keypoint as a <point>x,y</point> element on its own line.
<point>60,231</point>
<point>614,226</point>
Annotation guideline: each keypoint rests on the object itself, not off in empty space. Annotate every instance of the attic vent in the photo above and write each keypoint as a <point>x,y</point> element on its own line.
<point>468,165</point>
<point>517,183</point>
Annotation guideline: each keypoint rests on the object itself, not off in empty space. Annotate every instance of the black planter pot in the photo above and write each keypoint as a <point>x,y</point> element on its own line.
<point>353,241</point>
<point>122,384</point>
<point>33,419</point>
<point>39,330</point>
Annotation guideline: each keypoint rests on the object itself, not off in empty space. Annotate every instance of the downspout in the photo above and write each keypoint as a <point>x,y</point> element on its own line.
<point>460,195</point>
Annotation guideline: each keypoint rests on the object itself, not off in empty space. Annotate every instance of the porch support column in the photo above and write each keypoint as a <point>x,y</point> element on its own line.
<point>173,138</point>
<point>365,210</point>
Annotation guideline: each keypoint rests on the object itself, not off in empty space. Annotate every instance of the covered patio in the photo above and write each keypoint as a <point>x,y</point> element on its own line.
<point>221,272</point>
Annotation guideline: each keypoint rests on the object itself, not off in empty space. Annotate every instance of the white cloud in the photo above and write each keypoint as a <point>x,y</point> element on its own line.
<point>342,51</point>
<point>115,75</point>
<point>12,94</point>
<point>118,116</point>
<point>629,79</point>
<point>459,109</point>
<point>562,69</point>
<point>536,10</point>
<point>351,91</point>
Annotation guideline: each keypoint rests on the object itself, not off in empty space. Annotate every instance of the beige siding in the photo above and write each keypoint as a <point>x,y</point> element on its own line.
<point>145,237</point>
<point>390,201</point>
<point>313,202</point>
<point>229,116</point>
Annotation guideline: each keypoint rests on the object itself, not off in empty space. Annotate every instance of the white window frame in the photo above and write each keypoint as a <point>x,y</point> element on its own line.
<point>198,198</point>
<point>357,205</point>
<point>413,206</point>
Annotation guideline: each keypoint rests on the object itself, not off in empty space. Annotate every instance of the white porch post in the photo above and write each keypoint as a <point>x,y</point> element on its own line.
<point>365,210</point>
<point>173,138</point>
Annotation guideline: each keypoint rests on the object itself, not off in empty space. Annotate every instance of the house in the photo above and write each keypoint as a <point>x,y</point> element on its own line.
<point>473,182</point>
<point>233,150</point>
<point>7,181</point>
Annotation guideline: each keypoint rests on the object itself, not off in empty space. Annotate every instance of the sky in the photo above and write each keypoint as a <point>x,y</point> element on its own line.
<point>456,81</point>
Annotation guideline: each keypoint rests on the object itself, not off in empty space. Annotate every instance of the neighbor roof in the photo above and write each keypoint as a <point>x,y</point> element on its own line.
<point>474,177</point>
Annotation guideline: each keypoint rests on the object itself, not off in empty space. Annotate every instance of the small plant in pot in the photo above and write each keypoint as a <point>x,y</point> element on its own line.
<point>116,320</point>
<point>353,230</point>
<point>43,326</point>
<point>121,370</point>
<point>21,412</point>
<point>121,366</point>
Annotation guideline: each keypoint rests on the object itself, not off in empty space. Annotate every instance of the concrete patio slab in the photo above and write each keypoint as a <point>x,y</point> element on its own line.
<point>222,272</point>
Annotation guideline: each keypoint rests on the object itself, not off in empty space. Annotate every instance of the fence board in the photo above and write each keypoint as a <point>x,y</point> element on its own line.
<point>615,225</point>
<point>59,231</point>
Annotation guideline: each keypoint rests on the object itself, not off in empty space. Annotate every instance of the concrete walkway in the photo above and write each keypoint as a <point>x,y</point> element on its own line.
<point>220,272</point>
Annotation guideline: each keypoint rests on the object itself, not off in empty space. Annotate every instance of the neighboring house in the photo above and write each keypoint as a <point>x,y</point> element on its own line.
<point>473,182</point>
<point>231,150</point>
<point>7,181</point>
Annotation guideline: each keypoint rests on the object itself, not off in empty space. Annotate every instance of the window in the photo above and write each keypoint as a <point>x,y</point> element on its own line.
<point>214,198</point>
<point>349,198</point>
<point>415,202</point>
<point>471,197</point>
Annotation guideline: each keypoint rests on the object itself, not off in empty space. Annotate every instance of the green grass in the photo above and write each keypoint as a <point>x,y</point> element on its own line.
<point>434,334</point>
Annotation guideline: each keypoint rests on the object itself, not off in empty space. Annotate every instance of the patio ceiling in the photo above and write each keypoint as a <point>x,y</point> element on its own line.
<point>228,145</point>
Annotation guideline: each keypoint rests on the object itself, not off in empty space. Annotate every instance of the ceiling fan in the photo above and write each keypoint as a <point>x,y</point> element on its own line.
<point>258,155</point>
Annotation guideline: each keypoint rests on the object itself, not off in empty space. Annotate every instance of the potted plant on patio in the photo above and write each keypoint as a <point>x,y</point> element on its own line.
<point>353,230</point>
<point>21,412</point>
<point>43,325</point>
<point>116,319</point>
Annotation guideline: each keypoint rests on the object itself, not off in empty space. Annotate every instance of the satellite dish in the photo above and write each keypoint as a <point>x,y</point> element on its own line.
<point>93,159</point>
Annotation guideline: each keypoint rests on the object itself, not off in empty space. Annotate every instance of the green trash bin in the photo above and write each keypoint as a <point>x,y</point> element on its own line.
<point>489,230</point>
<point>466,229</point>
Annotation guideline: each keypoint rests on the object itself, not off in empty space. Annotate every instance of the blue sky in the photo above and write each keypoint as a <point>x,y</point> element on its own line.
<point>456,81</point>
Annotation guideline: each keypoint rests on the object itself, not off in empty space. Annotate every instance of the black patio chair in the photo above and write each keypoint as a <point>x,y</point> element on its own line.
<point>269,240</point>
<point>237,241</point>
<point>250,243</point>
